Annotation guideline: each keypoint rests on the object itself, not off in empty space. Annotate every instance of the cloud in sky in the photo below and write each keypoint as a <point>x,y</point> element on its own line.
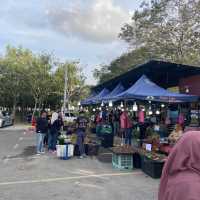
<point>97,20</point>
<point>86,30</point>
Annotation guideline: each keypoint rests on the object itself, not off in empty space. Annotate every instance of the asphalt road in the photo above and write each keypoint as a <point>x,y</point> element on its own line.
<point>25,176</point>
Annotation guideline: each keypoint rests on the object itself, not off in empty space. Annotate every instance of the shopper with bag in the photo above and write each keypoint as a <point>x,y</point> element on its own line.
<point>41,131</point>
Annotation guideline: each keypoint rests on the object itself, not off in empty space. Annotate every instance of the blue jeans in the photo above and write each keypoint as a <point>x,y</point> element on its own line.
<point>128,136</point>
<point>52,140</point>
<point>116,128</point>
<point>40,142</point>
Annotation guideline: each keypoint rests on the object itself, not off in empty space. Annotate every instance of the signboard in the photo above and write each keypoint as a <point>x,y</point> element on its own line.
<point>148,147</point>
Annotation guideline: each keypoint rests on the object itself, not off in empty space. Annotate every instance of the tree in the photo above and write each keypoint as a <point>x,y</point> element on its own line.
<point>75,80</point>
<point>122,64</point>
<point>39,79</point>
<point>169,29</point>
<point>12,81</point>
<point>162,29</point>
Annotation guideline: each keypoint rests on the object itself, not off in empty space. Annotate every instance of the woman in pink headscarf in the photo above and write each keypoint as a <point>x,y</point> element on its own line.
<point>181,174</point>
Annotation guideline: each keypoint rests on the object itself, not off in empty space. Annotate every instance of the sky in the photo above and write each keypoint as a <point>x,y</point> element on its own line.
<point>85,30</point>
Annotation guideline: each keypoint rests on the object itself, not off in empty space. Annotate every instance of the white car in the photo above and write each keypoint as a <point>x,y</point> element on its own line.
<point>69,117</point>
<point>5,119</point>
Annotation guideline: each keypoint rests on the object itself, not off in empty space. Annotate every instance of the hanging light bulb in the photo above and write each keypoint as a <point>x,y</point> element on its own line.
<point>79,103</point>
<point>102,104</point>
<point>122,105</point>
<point>157,112</point>
<point>150,112</point>
<point>93,109</point>
<point>135,107</point>
<point>110,104</point>
<point>162,105</point>
<point>100,108</point>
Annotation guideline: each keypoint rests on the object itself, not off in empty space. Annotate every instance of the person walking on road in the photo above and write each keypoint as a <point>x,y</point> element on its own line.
<point>41,131</point>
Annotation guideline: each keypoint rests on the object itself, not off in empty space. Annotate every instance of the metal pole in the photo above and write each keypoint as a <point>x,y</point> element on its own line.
<point>65,89</point>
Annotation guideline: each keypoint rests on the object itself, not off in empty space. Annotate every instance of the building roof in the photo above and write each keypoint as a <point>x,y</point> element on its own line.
<point>165,74</point>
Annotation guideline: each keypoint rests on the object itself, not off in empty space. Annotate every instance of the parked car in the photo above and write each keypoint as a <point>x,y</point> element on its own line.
<point>69,117</point>
<point>6,119</point>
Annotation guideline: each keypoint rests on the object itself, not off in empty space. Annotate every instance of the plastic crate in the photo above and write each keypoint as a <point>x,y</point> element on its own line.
<point>151,167</point>
<point>122,161</point>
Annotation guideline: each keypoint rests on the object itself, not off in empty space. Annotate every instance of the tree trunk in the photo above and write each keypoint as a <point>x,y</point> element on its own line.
<point>35,107</point>
<point>14,110</point>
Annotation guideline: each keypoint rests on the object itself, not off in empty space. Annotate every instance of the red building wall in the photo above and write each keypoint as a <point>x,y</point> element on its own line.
<point>192,84</point>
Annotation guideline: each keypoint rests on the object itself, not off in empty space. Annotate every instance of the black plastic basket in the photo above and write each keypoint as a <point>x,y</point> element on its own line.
<point>151,167</point>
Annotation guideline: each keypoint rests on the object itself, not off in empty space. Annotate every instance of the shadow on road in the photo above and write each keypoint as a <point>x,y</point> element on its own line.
<point>26,154</point>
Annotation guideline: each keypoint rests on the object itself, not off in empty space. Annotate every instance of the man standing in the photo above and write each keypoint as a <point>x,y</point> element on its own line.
<point>82,122</point>
<point>41,131</point>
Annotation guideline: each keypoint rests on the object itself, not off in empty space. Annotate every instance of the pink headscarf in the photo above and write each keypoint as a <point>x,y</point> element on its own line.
<point>181,174</point>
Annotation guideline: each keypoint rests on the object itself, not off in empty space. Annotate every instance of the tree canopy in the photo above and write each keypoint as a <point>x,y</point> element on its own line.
<point>161,29</point>
<point>37,80</point>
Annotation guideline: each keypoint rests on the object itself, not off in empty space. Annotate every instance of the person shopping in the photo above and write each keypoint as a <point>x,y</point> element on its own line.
<point>181,174</point>
<point>41,131</point>
<point>129,129</point>
<point>56,124</point>
<point>82,122</point>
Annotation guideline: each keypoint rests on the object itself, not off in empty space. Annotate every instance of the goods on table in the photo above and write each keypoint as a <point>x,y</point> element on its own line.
<point>123,150</point>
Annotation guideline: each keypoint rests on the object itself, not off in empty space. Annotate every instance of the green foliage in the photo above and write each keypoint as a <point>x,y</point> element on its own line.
<point>33,80</point>
<point>162,29</point>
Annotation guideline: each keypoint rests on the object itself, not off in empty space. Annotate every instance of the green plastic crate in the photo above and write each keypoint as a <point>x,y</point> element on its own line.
<point>122,161</point>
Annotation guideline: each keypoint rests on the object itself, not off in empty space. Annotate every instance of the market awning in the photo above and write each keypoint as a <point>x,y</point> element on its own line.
<point>86,101</point>
<point>98,97</point>
<point>117,90</point>
<point>144,89</point>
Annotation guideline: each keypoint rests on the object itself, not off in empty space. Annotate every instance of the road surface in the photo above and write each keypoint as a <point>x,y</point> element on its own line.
<point>25,176</point>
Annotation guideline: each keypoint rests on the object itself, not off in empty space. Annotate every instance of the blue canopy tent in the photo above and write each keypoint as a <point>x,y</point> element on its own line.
<point>144,89</point>
<point>117,90</point>
<point>86,101</point>
<point>99,97</point>
<point>95,99</point>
